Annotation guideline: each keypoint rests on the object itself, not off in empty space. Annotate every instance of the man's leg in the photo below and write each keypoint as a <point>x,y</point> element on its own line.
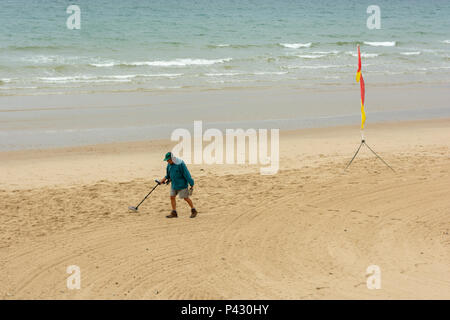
<point>193,210</point>
<point>173,202</point>
<point>189,201</point>
<point>173,214</point>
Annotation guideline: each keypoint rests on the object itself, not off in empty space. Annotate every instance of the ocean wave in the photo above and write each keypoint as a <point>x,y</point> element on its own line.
<point>110,78</point>
<point>413,53</point>
<point>296,45</point>
<point>66,78</point>
<point>170,87</point>
<point>346,43</point>
<point>132,76</point>
<point>256,73</point>
<point>310,56</point>
<point>162,63</point>
<point>179,62</point>
<point>78,79</point>
<point>381,44</point>
<point>100,65</point>
<point>332,77</point>
<point>5,80</point>
<point>326,52</point>
<point>238,46</point>
<point>363,54</point>
<point>260,73</point>
<point>14,88</point>
<point>433,68</point>
<point>446,41</point>
<point>314,67</point>
<point>222,74</point>
<point>41,59</point>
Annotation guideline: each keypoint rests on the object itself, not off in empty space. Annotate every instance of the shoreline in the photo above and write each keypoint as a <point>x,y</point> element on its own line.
<point>46,122</point>
<point>137,144</point>
<point>122,161</point>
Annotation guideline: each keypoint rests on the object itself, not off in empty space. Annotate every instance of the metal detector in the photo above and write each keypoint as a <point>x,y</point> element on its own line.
<point>135,209</point>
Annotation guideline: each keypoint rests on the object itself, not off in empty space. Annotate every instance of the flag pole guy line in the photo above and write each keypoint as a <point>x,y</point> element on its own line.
<point>360,79</point>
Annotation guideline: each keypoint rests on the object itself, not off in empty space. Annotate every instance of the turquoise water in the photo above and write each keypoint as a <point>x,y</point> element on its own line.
<point>161,45</point>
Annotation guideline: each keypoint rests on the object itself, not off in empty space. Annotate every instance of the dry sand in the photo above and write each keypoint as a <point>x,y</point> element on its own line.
<point>308,232</point>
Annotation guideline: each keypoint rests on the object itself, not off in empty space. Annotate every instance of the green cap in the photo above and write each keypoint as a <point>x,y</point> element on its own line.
<point>168,156</point>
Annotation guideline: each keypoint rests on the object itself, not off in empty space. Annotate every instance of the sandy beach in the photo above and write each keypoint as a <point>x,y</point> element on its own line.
<point>308,232</point>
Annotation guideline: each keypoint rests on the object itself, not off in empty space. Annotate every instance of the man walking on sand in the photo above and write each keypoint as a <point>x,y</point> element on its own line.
<point>178,174</point>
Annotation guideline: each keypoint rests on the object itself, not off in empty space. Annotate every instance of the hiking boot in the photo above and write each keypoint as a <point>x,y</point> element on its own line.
<point>173,214</point>
<point>193,213</point>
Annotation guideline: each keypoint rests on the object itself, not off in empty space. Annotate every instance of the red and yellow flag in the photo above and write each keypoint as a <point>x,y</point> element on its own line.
<point>360,79</point>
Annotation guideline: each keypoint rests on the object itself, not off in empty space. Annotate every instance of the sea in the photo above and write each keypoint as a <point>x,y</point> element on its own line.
<point>136,45</point>
<point>97,71</point>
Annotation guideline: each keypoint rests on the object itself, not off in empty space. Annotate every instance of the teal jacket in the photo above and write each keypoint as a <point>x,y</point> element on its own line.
<point>179,175</point>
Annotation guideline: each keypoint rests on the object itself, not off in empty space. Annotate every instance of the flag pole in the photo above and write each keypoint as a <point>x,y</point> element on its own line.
<point>360,79</point>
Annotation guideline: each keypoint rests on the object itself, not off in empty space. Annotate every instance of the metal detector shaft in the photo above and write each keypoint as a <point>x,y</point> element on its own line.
<point>147,196</point>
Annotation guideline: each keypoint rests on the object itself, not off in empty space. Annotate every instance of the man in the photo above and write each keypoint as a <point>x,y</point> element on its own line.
<point>178,174</point>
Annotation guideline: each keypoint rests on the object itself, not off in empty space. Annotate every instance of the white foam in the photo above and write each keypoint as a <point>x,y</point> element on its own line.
<point>126,76</point>
<point>309,56</point>
<point>364,54</point>
<point>77,79</point>
<point>381,44</point>
<point>12,88</point>
<point>40,59</point>
<point>222,74</point>
<point>434,68</point>
<point>164,88</point>
<point>259,73</point>
<point>413,53</point>
<point>112,78</point>
<point>446,41</point>
<point>296,45</point>
<point>56,79</point>
<point>314,67</point>
<point>180,62</point>
<point>131,76</point>
<point>223,45</point>
<point>100,65</point>
<point>326,52</point>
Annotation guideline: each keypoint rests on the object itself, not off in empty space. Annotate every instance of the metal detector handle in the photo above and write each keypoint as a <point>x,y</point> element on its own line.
<point>159,182</point>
